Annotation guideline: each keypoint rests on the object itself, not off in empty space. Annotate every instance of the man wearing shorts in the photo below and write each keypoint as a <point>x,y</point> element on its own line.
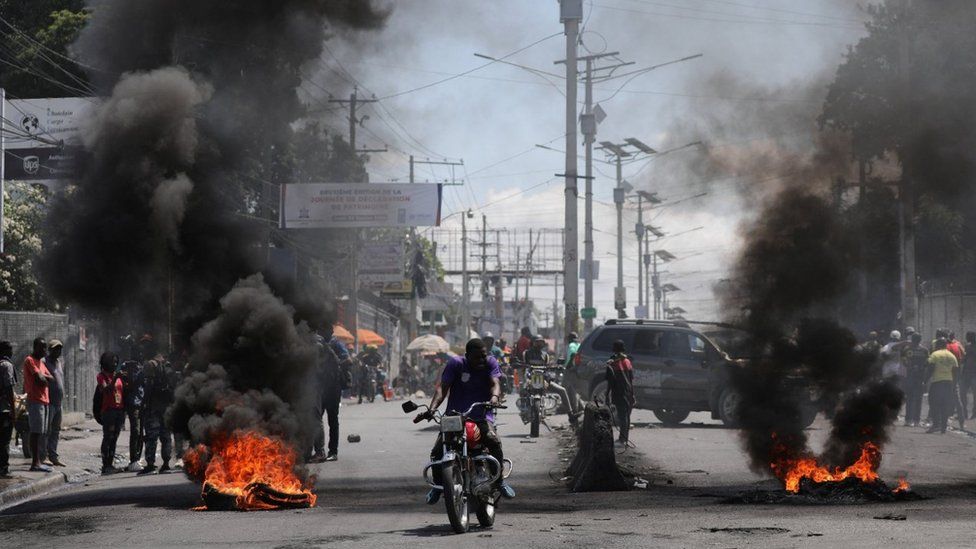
<point>36,380</point>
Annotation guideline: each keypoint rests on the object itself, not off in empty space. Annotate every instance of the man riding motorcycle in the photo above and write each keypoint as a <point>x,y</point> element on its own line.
<point>464,381</point>
<point>537,355</point>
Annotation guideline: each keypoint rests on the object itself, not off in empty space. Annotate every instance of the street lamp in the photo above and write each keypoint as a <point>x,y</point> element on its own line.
<point>620,152</point>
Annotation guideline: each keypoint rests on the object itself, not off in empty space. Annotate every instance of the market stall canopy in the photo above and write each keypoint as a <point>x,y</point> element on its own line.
<point>342,333</point>
<point>429,344</point>
<point>369,337</point>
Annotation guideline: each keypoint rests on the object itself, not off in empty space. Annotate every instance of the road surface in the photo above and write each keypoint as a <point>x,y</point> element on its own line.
<point>373,497</point>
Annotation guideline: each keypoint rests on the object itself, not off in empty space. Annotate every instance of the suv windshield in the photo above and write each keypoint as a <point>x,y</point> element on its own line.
<point>733,342</point>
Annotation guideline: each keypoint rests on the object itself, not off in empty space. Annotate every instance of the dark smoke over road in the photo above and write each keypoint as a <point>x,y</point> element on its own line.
<point>183,155</point>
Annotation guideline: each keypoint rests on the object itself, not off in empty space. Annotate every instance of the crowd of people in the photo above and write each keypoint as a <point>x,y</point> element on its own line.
<point>945,369</point>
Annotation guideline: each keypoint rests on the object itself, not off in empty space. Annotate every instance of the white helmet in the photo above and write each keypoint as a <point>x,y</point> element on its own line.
<point>487,334</point>
<point>895,335</point>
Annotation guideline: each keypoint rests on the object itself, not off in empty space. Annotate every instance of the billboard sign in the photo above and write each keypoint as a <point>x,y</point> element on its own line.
<point>40,163</point>
<point>31,123</point>
<point>359,205</point>
<point>381,257</point>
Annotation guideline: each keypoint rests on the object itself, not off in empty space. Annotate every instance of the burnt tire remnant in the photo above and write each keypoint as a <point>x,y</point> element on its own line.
<point>594,469</point>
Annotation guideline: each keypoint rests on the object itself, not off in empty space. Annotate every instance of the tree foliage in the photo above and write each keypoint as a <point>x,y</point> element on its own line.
<point>34,47</point>
<point>906,89</point>
<point>24,208</point>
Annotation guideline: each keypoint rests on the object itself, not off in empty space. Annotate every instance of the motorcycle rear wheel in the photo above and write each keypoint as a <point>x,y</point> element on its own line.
<point>456,501</point>
<point>485,511</point>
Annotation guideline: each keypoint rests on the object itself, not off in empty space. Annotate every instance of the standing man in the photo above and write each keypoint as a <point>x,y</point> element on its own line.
<point>917,364</point>
<point>620,388</point>
<point>6,406</point>
<point>134,391</point>
<point>158,397</point>
<point>55,365</point>
<point>524,342</point>
<point>967,378</point>
<point>892,366</point>
<point>111,388</point>
<point>334,380</point>
<point>943,365</point>
<point>37,378</point>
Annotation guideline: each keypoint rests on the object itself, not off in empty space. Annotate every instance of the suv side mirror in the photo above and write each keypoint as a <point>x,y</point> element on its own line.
<point>409,406</point>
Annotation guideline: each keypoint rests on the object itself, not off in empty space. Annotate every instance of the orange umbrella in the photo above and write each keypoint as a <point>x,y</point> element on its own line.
<point>369,337</point>
<point>342,333</point>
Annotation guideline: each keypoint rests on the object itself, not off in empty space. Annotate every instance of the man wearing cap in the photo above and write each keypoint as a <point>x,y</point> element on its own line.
<point>55,391</point>
<point>891,355</point>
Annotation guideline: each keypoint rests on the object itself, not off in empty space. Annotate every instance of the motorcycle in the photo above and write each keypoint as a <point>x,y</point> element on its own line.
<point>535,402</point>
<point>468,472</point>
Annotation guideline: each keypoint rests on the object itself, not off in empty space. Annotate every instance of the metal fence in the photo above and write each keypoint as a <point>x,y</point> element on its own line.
<point>83,343</point>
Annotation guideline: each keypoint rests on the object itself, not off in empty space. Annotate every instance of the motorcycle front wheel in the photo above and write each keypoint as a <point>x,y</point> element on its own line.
<point>536,414</point>
<point>456,501</point>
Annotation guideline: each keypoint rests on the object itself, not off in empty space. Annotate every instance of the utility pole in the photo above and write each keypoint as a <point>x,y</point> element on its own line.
<point>571,14</point>
<point>620,293</point>
<point>639,230</point>
<point>3,153</point>
<point>484,272</point>
<point>353,313</point>
<point>619,151</point>
<point>906,191</point>
<point>465,296</point>
<point>588,125</point>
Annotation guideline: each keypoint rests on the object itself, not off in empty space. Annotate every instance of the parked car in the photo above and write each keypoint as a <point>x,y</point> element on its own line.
<point>677,369</point>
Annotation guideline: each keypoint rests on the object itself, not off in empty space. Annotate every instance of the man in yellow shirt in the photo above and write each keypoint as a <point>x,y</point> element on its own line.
<point>943,365</point>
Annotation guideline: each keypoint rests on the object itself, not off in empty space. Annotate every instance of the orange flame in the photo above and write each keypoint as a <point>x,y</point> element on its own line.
<point>792,471</point>
<point>903,486</point>
<point>243,459</point>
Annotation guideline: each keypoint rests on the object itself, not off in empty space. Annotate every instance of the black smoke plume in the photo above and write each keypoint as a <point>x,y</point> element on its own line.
<point>796,274</point>
<point>185,154</point>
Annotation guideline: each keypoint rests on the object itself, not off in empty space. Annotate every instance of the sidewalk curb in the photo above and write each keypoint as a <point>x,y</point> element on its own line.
<point>27,490</point>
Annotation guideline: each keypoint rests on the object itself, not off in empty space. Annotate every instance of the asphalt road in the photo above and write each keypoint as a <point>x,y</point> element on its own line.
<point>373,497</point>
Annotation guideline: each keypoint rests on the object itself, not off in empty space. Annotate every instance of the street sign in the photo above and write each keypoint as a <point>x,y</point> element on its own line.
<point>588,312</point>
<point>594,269</point>
<point>620,298</point>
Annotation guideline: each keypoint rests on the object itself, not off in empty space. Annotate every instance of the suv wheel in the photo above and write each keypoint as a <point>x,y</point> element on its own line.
<point>671,417</point>
<point>728,405</point>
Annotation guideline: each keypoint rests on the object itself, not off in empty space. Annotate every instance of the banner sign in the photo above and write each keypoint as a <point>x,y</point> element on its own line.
<point>40,163</point>
<point>355,205</point>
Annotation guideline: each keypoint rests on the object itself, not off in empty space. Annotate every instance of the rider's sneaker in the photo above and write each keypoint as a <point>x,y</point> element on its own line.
<point>434,496</point>
<point>506,489</point>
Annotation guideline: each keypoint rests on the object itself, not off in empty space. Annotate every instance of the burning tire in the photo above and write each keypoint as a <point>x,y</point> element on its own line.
<point>728,407</point>
<point>671,417</point>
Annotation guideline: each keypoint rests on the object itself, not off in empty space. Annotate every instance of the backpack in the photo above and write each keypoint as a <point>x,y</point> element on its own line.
<point>97,404</point>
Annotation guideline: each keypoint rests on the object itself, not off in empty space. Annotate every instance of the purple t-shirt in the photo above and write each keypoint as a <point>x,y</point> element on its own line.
<point>467,385</point>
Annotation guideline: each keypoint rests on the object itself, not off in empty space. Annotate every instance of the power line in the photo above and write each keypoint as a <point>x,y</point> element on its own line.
<point>459,75</point>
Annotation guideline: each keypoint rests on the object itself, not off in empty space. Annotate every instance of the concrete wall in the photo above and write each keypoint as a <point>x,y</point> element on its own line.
<point>80,364</point>
<point>953,310</point>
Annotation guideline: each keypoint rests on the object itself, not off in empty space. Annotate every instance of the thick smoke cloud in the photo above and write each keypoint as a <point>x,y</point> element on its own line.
<point>184,159</point>
<point>251,363</point>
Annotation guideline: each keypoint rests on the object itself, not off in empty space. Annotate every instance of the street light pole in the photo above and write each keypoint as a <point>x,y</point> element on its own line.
<point>620,299</point>
<point>571,13</point>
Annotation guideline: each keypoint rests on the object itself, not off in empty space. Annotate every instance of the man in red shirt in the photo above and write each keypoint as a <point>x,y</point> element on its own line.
<point>113,408</point>
<point>620,389</point>
<point>36,379</point>
<point>524,343</point>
